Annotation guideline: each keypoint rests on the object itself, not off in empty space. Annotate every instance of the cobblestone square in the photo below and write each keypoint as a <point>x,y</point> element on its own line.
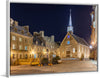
<point>66,66</point>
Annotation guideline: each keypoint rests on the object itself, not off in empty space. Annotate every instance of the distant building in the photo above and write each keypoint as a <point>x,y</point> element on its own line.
<point>21,41</point>
<point>94,33</point>
<point>39,47</point>
<point>73,46</point>
<point>47,44</point>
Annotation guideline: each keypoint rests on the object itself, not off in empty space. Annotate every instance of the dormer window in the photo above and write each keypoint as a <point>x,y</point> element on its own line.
<point>36,42</point>
<point>20,39</point>
<point>22,31</point>
<point>42,44</point>
<point>15,29</point>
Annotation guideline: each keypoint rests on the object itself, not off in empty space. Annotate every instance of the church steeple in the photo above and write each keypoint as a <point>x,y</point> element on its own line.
<point>70,27</point>
<point>70,19</point>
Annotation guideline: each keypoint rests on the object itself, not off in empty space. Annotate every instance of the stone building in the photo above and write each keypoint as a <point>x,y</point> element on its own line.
<point>38,45</point>
<point>45,45</point>
<point>73,46</point>
<point>21,41</point>
<point>94,34</point>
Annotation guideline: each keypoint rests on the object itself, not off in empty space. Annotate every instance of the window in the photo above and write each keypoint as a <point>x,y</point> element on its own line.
<point>73,50</point>
<point>30,55</point>
<point>25,40</point>
<point>13,56</point>
<point>26,56</point>
<point>42,44</point>
<point>36,42</point>
<point>34,55</point>
<point>20,47</point>
<point>68,36</point>
<point>25,47</point>
<point>13,38</point>
<point>13,46</point>
<point>20,56</point>
<point>20,39</point>
<point>68,42</point>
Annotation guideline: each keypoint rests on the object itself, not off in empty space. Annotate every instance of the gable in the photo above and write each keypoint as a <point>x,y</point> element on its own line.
<point>68,39</point>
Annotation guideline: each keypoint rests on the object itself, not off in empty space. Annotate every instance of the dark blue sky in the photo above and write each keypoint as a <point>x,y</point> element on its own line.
<point>53,19</point>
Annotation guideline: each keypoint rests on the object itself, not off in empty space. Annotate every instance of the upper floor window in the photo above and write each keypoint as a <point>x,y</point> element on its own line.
<point>13,38</point>
<point>13,56</point>
<point>73,50</point>
<point>68,42</point>
<point>36,42</point>
<point>13,46</point>
<point>20,39</point>
<point>25,40</point>
<point>20,47</point>
<point>25,47</point>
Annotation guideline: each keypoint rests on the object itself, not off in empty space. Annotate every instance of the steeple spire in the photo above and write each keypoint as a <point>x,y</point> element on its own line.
<point>70,27</point>
<point>70,19</point>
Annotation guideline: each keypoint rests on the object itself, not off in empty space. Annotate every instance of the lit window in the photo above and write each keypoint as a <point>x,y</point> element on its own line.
<point>20,47</point>
<point>20,56</point>
<point>68,42</point>
<point>13,38</point>
<point>25,47</point>
<point>34,55</point>
<point>26,56</point>
<point>42,44</point>
<point>36,42</point>
<point>73,50</point>
<point>20,39</point>
<point>43,50</point>
<point>13,46</point>
<point>68,36</point>
<point>13,56</point>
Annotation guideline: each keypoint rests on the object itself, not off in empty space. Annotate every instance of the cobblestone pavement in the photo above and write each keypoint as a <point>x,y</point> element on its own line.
<point>66,66</point>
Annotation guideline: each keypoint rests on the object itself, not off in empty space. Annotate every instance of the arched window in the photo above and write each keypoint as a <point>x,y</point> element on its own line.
<point>68,42</point>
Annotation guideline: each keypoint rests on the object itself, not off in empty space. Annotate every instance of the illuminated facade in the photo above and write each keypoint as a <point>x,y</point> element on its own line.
<point>24,46</point>
<point>94,33</point>
<point>21,41</point>
<point>73,46</point>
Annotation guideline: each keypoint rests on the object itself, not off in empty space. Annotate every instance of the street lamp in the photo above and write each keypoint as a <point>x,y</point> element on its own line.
<point>90,46</point>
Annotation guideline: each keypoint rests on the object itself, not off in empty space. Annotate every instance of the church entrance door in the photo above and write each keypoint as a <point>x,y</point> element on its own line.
<point>67,54</point>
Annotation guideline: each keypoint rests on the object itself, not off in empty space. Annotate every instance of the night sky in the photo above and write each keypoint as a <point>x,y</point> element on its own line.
<point>53,19</point>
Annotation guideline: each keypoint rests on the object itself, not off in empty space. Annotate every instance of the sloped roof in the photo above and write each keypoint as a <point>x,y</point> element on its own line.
<point>80,40</point>
<point>19,29</point>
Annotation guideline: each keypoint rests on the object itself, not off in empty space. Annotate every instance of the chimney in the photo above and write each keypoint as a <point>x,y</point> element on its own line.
<point>26,28</point>
<point>42,33</point>
<point>16,23</point>
<point>35,33</point>
<point>11,22</point>
<point>52,38</point>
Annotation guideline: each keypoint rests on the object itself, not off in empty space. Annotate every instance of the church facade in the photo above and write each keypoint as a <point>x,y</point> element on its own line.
<point>73,46</point>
